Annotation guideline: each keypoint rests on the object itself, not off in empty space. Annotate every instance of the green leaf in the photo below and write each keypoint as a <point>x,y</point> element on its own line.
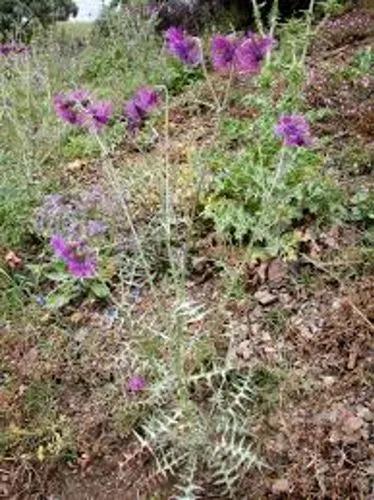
<point>56,300</point>
<point>56,276</point>
<point>100,290</point>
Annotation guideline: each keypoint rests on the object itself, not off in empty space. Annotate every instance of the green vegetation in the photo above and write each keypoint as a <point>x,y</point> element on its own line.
<point>197,205</point>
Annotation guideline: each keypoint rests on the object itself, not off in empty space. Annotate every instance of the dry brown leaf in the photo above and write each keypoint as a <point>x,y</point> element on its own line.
<point>13,261</point>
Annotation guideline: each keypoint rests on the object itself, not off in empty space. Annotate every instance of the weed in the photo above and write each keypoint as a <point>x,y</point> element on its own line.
<point>362,65</point>
<point>275,320</point>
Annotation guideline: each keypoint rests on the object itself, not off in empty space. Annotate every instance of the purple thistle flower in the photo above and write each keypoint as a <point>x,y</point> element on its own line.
<point>223,52</point>
<point>78,108</point>
<point>98,115</point>
<point>60,247</point>
<point>250,53</point>
<point>8,49</point>
<point>71,107</point>
<point>137,109</point>
<point>136,384</point>
<point>79,259</point>
<point>5,49</point>
<point>185,47</point>
<point>294,129</point>
<point>81,266</point>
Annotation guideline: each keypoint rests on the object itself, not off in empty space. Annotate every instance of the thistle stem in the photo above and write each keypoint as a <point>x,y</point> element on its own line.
<point>124,204</point>
<point>208,79</point>
<point>309,17</point>
<point>257,14</point>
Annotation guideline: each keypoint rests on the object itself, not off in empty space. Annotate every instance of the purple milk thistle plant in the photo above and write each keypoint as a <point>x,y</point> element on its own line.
<point>185,47</point>
<point>79,259</point>
<point>79,109</point>
<point>140,106</point>
<point>294,130</point>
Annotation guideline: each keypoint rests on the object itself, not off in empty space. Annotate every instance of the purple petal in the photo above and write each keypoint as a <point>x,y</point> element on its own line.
<point>98,115</point>
<point>85,268</point>
<point>78,108</point>
<point>223,52</point>
<point>60,247</point>
<point>142,103</point>
<point>184,47</point>
<point>294,130</point>
<point>251,52</point>
<point>79,259</point>
<point>136,384</point>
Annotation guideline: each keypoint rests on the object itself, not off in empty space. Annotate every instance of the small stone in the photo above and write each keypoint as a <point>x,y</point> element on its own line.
<point>329,381</point>
<point>352,359</point>
<point>255,328</point>
<point>336,304</point>
<point>266,337</point>
<point>265,298</point>
<point>75,165</point>
<point>244,350</point>
<point>365,414</point>
<point>77,317</point>
<point>13,261</point>
<point>285,298</point>
<point>255,315</point>
<point>352,424</point>
<point>277,271</point>
<point>22,389</point>
<point>280,486</point>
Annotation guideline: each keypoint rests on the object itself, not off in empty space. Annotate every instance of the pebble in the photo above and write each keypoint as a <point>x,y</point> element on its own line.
<point>365,414</point>
<point>244,350</point>
<point>265,298</point>
<point>280,486</point>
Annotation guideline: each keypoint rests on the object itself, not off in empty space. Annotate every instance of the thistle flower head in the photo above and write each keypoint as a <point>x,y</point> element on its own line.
<point>98,115</point>
<point>138,108</point>
<point>250,53</point>
<point>70,107</point>
<point>136,384</point>
<point>223,52</point>
<point>295,130</point>
<point>79,259</point>
<point>78,108</point>
<point>13,48</point>
<point>183,46</point>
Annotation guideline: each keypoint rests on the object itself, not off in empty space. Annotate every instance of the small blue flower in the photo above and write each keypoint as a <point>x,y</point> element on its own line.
<point>40,300</point>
